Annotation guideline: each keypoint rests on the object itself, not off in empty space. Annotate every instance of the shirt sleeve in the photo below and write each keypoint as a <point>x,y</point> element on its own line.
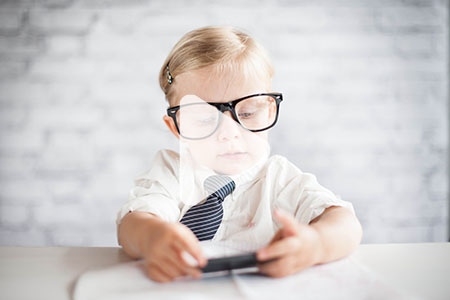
<point>157,190</point>
<point>302,194</point>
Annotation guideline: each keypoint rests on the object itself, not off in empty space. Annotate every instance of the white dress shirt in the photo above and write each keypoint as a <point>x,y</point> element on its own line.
<point>173,185</point>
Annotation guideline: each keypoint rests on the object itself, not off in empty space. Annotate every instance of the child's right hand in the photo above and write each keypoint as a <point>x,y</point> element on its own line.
<point>164,251</point>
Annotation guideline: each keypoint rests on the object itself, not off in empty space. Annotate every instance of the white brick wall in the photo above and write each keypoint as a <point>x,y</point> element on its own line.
<point>365,84</point>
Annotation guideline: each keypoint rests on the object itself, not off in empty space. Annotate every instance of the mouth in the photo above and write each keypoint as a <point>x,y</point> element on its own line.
<point>233,155</point>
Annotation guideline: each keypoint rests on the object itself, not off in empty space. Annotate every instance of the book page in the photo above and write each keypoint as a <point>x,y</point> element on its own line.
<point>342,279</point>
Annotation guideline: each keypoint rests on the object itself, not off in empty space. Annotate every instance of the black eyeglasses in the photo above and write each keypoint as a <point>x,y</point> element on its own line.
<point>199,120</point>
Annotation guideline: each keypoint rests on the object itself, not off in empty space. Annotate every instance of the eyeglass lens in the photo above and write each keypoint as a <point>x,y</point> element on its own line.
<point>199,120</point>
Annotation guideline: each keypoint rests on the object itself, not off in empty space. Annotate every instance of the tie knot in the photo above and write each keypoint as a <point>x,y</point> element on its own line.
<point>219,185</point>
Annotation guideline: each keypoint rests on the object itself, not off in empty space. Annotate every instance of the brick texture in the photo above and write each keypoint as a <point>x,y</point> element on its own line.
<point>365,86</point>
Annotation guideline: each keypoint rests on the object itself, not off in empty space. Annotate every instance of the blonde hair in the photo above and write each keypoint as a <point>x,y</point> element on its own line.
<point>224,47</point>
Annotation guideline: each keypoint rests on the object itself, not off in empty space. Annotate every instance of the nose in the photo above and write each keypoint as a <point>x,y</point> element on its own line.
<point>228,129</point>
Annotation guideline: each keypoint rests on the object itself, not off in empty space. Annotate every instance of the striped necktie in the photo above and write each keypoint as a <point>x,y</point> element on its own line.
<point>204,219</point>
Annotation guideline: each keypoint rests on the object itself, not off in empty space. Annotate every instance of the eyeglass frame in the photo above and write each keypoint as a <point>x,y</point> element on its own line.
<point>227,106</point>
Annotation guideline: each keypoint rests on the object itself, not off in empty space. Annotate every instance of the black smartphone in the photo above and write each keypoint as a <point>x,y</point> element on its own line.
<point>231,263</point>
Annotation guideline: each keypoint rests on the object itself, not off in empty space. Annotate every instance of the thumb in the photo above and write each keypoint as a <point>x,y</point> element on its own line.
<point>289,224</point>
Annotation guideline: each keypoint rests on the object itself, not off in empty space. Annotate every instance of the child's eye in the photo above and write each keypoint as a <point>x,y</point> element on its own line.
<point>245,114</point>
<point>206,121</point>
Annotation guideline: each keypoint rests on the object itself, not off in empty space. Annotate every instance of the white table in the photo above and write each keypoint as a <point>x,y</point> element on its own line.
<point>51,272</point>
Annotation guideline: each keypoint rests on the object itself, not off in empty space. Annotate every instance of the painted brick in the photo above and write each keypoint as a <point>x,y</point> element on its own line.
<point>12,95</point>
<point>33,237</point>
<point>394,19</point>
<point>365,86</point>
<point>63,46</point>
<point>10,21</point>
<point>423,45</point>
<point>14,166</point>
<point>69,236</point>
<point>65,117</point>
<point>14,216</point>
<point>25,190</point>
<point>21,141</point>
<point>60,214</point>
<point>55,3</point>
<point>13,69</point>
<point>21,46</point>
<point>63,21</point>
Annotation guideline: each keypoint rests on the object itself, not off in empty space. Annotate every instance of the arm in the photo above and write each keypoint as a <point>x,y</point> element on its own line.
<point>340,233</point>
<point>132,232</point>
<point>160,244</point>
<point>333,235</point>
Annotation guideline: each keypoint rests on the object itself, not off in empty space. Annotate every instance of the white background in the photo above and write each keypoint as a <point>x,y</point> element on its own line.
<point>365,85</point>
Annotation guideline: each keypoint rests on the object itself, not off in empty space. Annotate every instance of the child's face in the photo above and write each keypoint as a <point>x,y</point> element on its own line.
<point>231,149</point>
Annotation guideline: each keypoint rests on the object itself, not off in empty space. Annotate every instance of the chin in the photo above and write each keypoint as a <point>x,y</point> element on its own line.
<point>232,169</point>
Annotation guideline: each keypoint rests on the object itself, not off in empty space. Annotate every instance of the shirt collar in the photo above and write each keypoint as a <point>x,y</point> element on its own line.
<point>189,168</point>
<point>250,174</point>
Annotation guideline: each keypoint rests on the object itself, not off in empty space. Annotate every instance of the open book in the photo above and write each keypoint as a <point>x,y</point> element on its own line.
<point>342,279</point>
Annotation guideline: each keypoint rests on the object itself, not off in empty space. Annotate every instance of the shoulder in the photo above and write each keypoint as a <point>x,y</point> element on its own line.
<point>166,156</point>
<point>280,171</point>
<point>281,165</point>
<point>165,163</point>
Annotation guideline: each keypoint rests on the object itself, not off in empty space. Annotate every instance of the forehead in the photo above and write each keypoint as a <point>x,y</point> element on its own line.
<point>212,86</point>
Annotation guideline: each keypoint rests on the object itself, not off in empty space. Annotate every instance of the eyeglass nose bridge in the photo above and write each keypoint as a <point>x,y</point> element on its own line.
<point>228,107</point>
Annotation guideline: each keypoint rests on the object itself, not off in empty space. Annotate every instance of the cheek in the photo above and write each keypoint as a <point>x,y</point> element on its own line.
<point>202,151</point>
<point>256,141</point>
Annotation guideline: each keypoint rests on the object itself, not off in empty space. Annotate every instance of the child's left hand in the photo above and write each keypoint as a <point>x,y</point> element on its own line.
<point>294,247</point>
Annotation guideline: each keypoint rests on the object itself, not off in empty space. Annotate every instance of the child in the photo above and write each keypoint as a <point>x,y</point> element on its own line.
<point>217,81</point>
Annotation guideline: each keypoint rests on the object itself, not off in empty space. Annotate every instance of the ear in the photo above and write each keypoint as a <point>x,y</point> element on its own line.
<point>170,123</point>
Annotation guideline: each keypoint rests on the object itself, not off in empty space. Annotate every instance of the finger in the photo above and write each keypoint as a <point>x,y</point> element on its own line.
<point>169,268</point>
<point>192,249</point>
<point>276,237</point>
<point>278,268</point>
<point>191,268</point>
<point>194,272</point>
<point>155,273</point>
<point>288,223</point>
<point>176,259</point>
<point>188,242</point>
<point>278,249</point>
